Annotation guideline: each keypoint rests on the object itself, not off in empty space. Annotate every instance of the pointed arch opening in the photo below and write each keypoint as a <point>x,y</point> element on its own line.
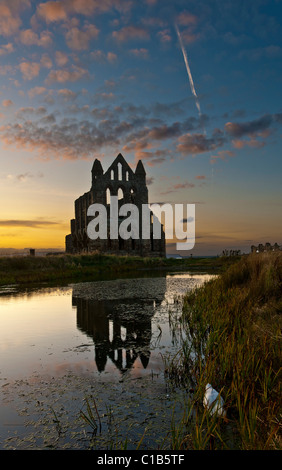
<point>119,167</point>
<point>108,196</point>
<point>120,194</point>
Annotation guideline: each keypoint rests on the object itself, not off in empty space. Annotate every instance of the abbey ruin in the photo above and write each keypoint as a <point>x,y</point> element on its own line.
<point>266,247</point>
<point>130,187</point>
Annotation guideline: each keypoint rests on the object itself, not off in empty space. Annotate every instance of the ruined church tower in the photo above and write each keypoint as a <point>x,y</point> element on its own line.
<point>130,187</point>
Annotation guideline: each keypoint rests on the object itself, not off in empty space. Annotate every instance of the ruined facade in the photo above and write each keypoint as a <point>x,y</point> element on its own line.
<point>267,247</point>
<point>130,187</point>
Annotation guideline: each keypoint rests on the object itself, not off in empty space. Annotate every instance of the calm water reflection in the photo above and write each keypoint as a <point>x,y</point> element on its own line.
<point>59,344</point>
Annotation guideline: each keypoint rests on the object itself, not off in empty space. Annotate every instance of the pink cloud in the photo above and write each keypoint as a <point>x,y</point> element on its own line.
<point>141,53</point>
<point>10,20</point>
<point>79,39</point>
<point>101,56</point>
<point>67,75</point>
<point>179,186</point>
<point>6,69</point>
<point>130,33</point>
<point>61,58</point>
<point>252,142</point>
<point>7,103</point>
<point>6,49</point>
<point>30,38</point>
<point>186,19</point>
<point>164,35</point>
<point>38,90</point>
<point>222,155</point>
<point>52,11</point>
<point>189,36</point>
<point>61,10</point>
<point>111,56</point>
<point>29,70</point>
<point>67,94</point>
<point>46,61</point>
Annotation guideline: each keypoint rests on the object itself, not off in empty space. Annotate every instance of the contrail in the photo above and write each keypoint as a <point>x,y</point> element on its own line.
<point>188,70</point>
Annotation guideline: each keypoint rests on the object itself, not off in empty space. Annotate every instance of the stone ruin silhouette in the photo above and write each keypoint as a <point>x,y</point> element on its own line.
<point>130,187</point>
<point>263,248</point>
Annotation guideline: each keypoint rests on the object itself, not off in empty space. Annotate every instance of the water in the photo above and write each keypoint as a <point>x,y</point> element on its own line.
<point>101,343</point>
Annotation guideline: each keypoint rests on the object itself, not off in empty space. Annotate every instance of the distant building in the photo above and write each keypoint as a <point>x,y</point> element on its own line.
<point>130,187</point>
<point>267,247</point>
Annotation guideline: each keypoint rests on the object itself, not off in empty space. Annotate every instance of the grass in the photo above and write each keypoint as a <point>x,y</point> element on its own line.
<point>233,331</point>
<point>60,268</point>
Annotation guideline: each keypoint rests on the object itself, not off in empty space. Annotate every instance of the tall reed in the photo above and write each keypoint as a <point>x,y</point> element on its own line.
<point>233,330</point>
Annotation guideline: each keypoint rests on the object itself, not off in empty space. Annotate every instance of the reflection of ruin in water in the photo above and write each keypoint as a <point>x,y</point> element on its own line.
<point>120,328</point>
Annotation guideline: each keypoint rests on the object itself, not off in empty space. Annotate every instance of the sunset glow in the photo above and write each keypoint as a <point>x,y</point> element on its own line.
<point>191,88</point>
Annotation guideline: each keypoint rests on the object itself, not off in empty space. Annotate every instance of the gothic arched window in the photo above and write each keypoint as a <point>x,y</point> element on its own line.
<point>119,171</point>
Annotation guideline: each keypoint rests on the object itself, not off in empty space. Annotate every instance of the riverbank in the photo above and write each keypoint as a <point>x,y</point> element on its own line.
<point>233,329</point>
<point>71,268</point>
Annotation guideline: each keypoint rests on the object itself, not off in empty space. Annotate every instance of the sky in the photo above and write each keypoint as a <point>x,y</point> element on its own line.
<point>191,88</point>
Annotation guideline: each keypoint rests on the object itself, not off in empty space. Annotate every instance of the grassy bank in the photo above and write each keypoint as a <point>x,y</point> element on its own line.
<point>70,268</point>
<point>233,327</point>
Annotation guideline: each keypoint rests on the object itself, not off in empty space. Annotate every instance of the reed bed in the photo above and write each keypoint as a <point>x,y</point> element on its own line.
<point>233,341</point>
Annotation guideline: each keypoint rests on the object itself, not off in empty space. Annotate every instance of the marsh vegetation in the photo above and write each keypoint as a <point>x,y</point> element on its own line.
<point>233,341</point>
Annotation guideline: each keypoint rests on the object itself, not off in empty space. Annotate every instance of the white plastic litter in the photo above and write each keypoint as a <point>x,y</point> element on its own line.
<point>213,401</point>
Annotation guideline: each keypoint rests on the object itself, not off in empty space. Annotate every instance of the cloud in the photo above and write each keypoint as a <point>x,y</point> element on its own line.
<point>67,75</point>
<point>189,21</point>
<point>23,112</point>
<point>251,133</point>
<point>140,53</point>
<point>111,56</point>
<point>222,155</point>
<point>29,70</point>
<point>236,129</point>
<point>186,19</point>
<point>152,158</point>
<point>163,131</point>
<point>165,35</point>
<point>79,39</point>
<point>200,177</point>
<point>68,139</point>
<point>30,38</point>
<point>7,70</point>
<point>61,58</point>
<point>10,20</point>
<point>52,11</point>
<point>78,132</point>
<point>46,61</point>
<point>101,56</point>
<point>27,223</point>
<point>67,94</point>
<point>179,186</point>
<point>6,49</point>
<point>129,33</point>
<point>189,36</point>
<point>61,10</point>
<point>199,143</point>
<point>7,103</point>
<point>25,176</point>
<point>251,142</point>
